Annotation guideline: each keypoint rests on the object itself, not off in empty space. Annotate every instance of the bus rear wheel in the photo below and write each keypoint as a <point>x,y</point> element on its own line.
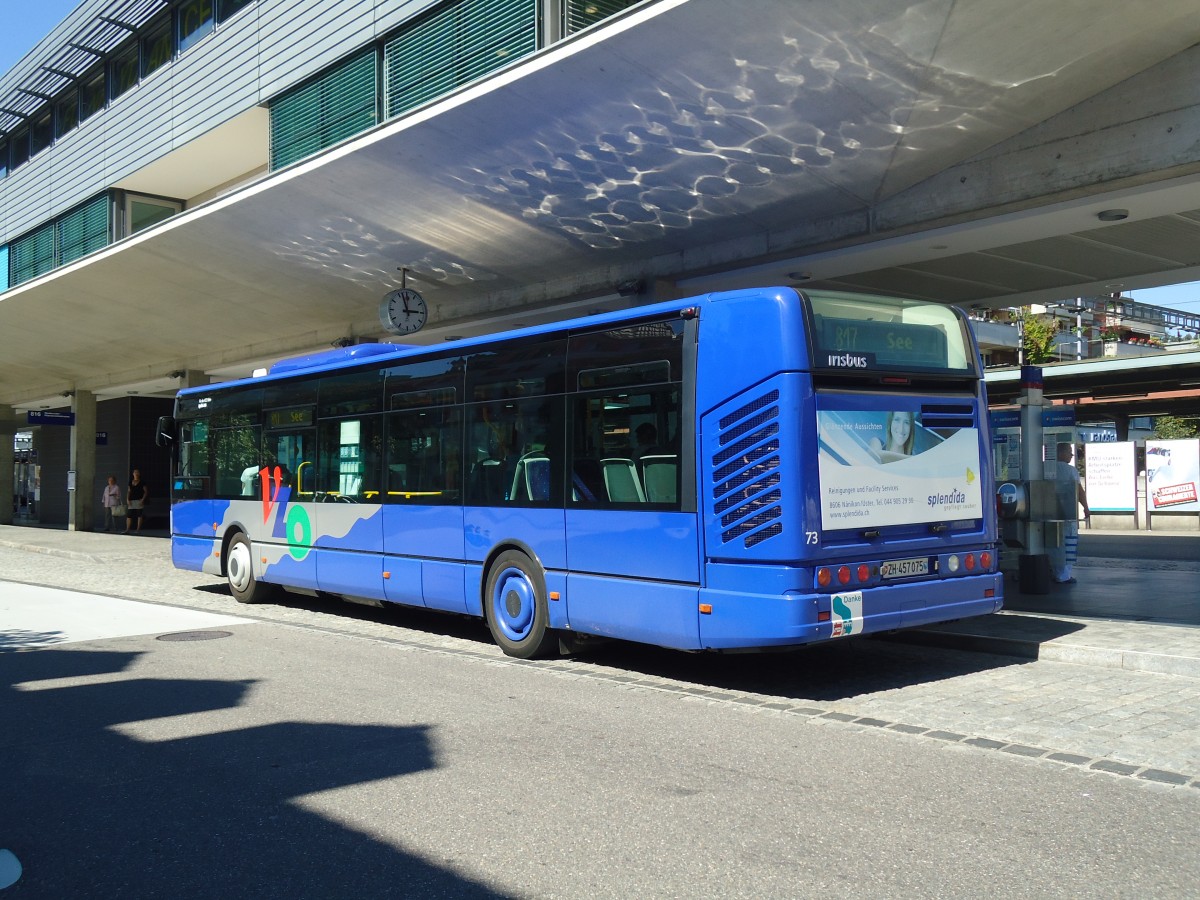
<point>239,570</point>
<point>515,605</point>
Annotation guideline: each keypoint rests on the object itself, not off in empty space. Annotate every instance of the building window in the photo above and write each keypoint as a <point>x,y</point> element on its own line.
<point>41,134</point>
<point>4,160</point>
<point>83,230</point>
<point>337,105</point>
<point>31,254</point>
<point>195,22</point>
<point>156,48</point>
<point>92,95</point>
<point>228,8</point>
<point>142,212</point>
<point>581,14</point>
<point>18,148</point>
<point>124,69</point>
<point>454,46</point>
<point>66,113</point>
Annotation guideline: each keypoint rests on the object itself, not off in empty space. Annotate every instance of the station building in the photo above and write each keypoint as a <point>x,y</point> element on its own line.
<point>192,189</point>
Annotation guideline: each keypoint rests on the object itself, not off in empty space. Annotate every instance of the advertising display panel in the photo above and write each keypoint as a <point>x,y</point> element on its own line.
<point>882,467</point>
<point>1172,475</point>
<point>1111,477</point>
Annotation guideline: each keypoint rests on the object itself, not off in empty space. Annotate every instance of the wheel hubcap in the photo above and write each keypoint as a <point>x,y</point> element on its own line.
<point>513,604</point>
<point>239,567</point>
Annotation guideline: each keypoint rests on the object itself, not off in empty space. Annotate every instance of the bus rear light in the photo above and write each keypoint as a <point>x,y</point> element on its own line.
<point>823,615</point>
<point>985,561</point>
<point>970,562</point>
<point>843,574</point>
<point>989,592</point>
<point>824,577</point>
<point>952,563</point>
<point>864,572</point>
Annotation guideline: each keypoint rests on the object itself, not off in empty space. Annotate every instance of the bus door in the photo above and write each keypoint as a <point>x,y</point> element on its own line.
<point>288,496</point>
<point>632,532</point>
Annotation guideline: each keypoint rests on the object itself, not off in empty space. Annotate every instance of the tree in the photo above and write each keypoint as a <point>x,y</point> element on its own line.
<point>1037,336</point>
<point>1173,428</point>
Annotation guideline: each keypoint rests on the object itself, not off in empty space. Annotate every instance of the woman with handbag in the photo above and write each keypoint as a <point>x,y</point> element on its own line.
<point>113,507</point>
<point>135,500</point>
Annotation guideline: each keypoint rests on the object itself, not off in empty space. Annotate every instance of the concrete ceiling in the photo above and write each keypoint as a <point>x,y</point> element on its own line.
<point>953,149</point>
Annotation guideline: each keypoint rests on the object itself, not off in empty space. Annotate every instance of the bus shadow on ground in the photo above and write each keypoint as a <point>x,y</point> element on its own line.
<point>90,811</point>
<point>821,672</point>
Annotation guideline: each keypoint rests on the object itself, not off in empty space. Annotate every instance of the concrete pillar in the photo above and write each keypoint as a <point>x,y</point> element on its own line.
<point>83,500</point>
<point>1121,421</point>
<point>194,378</point>
<point>8,429</point>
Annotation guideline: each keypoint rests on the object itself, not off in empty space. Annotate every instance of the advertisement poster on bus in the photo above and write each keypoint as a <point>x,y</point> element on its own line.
<point>886,467</point>
<point>1172,474</point>
<point>1110,473</point>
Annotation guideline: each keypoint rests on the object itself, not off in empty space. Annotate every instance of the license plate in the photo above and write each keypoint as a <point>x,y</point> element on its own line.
<point>904,568</point>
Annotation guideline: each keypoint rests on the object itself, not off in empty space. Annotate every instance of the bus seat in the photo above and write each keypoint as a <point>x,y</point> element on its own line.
<point>531,480</point>
<point>659,478</point>
<point>621,481</point>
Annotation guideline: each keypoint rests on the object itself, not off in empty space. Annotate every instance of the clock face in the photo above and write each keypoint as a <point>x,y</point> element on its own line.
<point>402,311</point>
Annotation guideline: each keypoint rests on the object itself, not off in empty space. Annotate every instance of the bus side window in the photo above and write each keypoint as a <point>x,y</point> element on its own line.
<point>424,456</point>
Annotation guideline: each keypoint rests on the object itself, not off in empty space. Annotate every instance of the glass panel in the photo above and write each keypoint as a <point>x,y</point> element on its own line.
<point>857,333</point>
<point>193,449</point>
<point>92,96</point>
<point>515,451</point>
<point>32,254</point>
<point>228,7</point>
<point>4,282</point>
<point>517,371</point>
<point>18,148</point>
<point>3,159</point>
<point>195,22</point>
<point>352,394</point>
<point>143,213</point>
<point>338,105</point>
<point>66,113</point>
<point>83,230</point>
<point>156,49</point>
<point>626,448</point>
<point>237,461</point>
<point>41,135</point>
<point>649,353</point>
<point>350,451</point>
<point>580,14</point>
<point>456,45</point>
<point>124,72</point>
<point>424,456</point>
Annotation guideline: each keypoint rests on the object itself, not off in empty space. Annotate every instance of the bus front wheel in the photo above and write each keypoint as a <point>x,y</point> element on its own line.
<point>239,570</point>
<point>515,604</point>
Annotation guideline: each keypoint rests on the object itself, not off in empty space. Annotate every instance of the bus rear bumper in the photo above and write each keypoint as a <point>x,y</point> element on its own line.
<point>740,620</point>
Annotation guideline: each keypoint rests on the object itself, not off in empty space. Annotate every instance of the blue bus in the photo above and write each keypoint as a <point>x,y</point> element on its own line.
<point>752,469</point>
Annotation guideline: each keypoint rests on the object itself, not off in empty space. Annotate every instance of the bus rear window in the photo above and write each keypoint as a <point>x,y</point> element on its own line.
<point>852,333</point>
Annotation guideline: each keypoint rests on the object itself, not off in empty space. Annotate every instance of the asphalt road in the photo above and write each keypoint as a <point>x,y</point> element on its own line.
<point>324,751</point>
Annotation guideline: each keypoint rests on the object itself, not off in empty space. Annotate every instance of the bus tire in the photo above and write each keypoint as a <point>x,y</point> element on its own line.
<point>514,603</point>
<point>239,571</point>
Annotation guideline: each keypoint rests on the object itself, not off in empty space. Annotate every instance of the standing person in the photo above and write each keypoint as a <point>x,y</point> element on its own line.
<point>135,500</point>
<point>111,500</point>
<point>1070,497</point>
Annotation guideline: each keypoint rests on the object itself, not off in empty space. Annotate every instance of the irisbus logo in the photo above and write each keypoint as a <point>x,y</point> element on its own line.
<point>848,361</point>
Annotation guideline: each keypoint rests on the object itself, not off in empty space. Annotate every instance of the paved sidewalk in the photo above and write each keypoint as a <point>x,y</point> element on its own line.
<point>1136,605</point>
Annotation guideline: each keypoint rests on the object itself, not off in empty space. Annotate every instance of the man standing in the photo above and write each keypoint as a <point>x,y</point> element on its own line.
<point>1070,495</point>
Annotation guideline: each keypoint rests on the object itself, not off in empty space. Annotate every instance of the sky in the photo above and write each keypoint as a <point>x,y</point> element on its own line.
<point>36,20</point>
